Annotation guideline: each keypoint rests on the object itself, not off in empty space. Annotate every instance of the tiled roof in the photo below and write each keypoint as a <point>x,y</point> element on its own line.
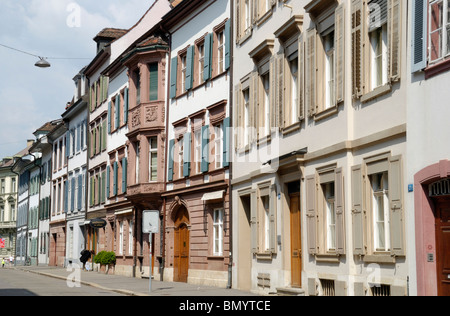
<point>111,33</point>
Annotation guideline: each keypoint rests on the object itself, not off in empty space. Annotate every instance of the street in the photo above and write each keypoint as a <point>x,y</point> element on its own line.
<point>21,283</point>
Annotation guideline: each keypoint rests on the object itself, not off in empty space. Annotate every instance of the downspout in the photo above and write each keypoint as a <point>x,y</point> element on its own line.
<point>18,184</point>
<point>231,136</point>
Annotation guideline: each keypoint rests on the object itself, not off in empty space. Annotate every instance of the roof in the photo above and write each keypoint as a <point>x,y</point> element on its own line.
<point>110,33</point>
<point>48,127</point>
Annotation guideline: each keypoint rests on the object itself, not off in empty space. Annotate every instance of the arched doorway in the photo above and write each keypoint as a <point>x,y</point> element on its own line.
<point>181,245</point>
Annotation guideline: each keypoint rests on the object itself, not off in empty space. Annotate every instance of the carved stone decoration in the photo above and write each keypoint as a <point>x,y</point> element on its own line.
<point>136,118</point>
<point>151,114</point>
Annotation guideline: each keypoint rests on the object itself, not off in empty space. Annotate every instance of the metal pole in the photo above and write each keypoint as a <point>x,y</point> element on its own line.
<point>150,264</point>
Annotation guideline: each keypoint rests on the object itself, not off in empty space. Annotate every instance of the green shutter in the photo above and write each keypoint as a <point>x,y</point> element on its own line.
<point>108,178</point>
<point>153,82</point>
<point>124,175</point>
<point>173,77</point>
<point>227,35</point>
<point>207,69</point>
<point>115,178</point>
<point>109,117</point>
<point>125,106</point>
<point>116,112</point>
<point>189,68</point>
<point>171,162</point>
<point>226,142</point>
<point>205,148</point>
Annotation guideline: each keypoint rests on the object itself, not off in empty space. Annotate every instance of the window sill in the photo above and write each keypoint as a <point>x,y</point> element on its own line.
<point>264,17</point>
<point>329,257</point>
<point>377,92</point>
<point>291,128</point>
<point>379,258</point>
<point>437,68</point>
<point>264,140</point>
<point>264,255</point>
<point>245,37</point>
<point>326,113</point>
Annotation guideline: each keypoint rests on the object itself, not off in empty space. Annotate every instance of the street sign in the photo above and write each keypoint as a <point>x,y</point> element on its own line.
<point>150,222</point>
<point>97,223</point>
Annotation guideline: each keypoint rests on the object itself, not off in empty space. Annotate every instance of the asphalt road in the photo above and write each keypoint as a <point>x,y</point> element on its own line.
<point>20,283</point>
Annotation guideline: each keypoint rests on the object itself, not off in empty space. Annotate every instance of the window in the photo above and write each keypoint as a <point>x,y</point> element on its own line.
<point>246,95</point>
<point>294,93</point>
<point>221,51</point>
<point>218,232</point>
<point>328,190</point>
<point>247,15</point>
<point>265,102</point>
<point>180,157</point>
<point>183,72</point>
<point>153,70</point>
<point>2,186</point>
<point>378,41</point>
<point>380,211</point>
<point>439,29</point>
<point>137,82</point>
<point>218,145</point>
<point>138,157</point>
<point>329,70</point>
<point>13,185</point>
<point>121,238</point>
<point>130,237</point>
<point>198,150</point>
<point>201,62</point>
<point>265,233</point>
<point>153,159</point>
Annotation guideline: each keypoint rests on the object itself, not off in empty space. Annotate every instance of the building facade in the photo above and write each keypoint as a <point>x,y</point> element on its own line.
<point>319,147</point>
<point>197,211</point>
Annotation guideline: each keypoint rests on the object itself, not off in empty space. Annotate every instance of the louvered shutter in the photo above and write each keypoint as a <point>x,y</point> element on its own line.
<point>419,35</point>
<point>109,117</point>
<point>340,214</point>
<point>117,112</point>
<point>80,191</point>
<point>207,68</point>
<point>273,93</point>
<point>340,48</point>
<point>189,68</point>
<point>103,190</point>
<point>187,155</point>
<point>173,77</point>
<point>238,119</point>
<point>205,148</point>
<point>238,20</point>
<point>357,47</point>
<point>254,105</point>
<point>67,143</point>
<point>171,160</point>
<point>396,206</point>
<point>66,196</point>
<point>310,72</point>
<point>72,194</point>
<point>300,79</point>
<point>254,221</point>
<point>108,183</point>
<point>115,176</point>
<point>124,174</point>
<point>281,87</point>
<point>125,105</point>
<point>227,34</point>
<point>394,38</point>
<point>226,142</point>
<point>311,216</point>
<point>272,219</point>
<point>153,69</point>
<point>357,211</point>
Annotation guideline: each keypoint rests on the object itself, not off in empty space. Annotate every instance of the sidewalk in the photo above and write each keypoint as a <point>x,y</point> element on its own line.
<point>132,286</point>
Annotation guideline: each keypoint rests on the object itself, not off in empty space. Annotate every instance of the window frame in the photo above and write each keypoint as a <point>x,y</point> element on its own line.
<point>218,227</point>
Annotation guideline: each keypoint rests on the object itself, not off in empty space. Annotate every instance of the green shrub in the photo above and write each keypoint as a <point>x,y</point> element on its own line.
<point>99,257</point>
<point>108,258</point>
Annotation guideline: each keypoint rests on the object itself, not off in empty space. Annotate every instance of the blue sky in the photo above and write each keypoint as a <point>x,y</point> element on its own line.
<point>31,96</point>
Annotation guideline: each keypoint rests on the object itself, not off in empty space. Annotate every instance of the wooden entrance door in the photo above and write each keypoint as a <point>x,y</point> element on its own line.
<point>296,242</point>
<point>181,246</point>
<point>443,244</point>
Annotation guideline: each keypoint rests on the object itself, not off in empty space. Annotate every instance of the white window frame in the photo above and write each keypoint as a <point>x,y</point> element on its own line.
<point>152,151</point>
<point>218,231</point>
<point>330,207</point>
<point>265,80</point>
<point>218,145</point>
<point>330,70</point>
<point>294,89</point>
<point>130,237</point>
<point>247,16</point>
<point>183,71</point>
<point>121,238</point>
<point>444,28</point>
<point>180,156</point>
<point>380,195</point>
<point>201,62</point>
<point>377,79</point>
<point>137,161</point>
<point>221,51</point>
<point>246,99</point>
<point>198,150</point>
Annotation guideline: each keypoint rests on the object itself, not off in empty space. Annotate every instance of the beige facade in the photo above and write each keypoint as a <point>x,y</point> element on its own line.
<point>320,121</point>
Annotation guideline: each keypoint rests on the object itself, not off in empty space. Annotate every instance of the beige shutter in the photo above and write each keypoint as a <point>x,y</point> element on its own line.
<point>238,20</point>
<point>394,38</point>
<point>340,48</point>
<point>272,219</point>
<point>273,93</point>
<point>340,214</point>
<point>254,101</point>
<point>238,119</point>
<point>300,79</point>
<point>311,216</point>
<point>357,211</point>
<point>310,80</point>
<point>280,90</point>
<point>254,221</point>
<point>357,47</point>
<point>396,206</point>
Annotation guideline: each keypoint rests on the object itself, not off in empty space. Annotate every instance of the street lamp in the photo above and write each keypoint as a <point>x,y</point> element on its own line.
<point>42,63</point>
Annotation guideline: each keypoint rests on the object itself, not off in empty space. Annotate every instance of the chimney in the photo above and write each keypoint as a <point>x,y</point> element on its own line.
<point>30,142</point>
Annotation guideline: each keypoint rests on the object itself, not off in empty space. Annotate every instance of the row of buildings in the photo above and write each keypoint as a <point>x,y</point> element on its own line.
<point>290,147</point>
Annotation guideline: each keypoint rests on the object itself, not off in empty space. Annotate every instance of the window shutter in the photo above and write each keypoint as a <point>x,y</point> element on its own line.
<point>357,211</point>
<point>124,174</point>
<point>208,57</point>
<point>116,166</point>
<point>396,206</point>
<point>238,20</point>
<point>189,67</point>
<point>103,190</point>
<point>91,94</point>
<point>116,112</point>
<point>108,179</point>
<point>237,116</point>
<point>72,195</point>
<point>66,196</point>
<point>173,77</point>
<point>280,90</point>
<point>254,221</point>
<point>340,214</point>
<point>109,117</point>
<point>226,142</point>
<point>300,79</point>
<point>419,35</point>
<point>67,143</point>
<point>153,69</point>
<point>253,108</point>
<point>340,48</point>
<point>125,105</point>
<point>310,72</point>
<point>187,155</point>
<point>273,93</point>
<point>105,87</point>
<point>80,191</point>
<point>103,129</point>
<point>227,34</point>
<point>272,219</point>
<point>357,47</point>
<point>205,148</point>
<point>394,38</point>
<point>311,216</point>
<point>171,161</point>
<point>78,136</point>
